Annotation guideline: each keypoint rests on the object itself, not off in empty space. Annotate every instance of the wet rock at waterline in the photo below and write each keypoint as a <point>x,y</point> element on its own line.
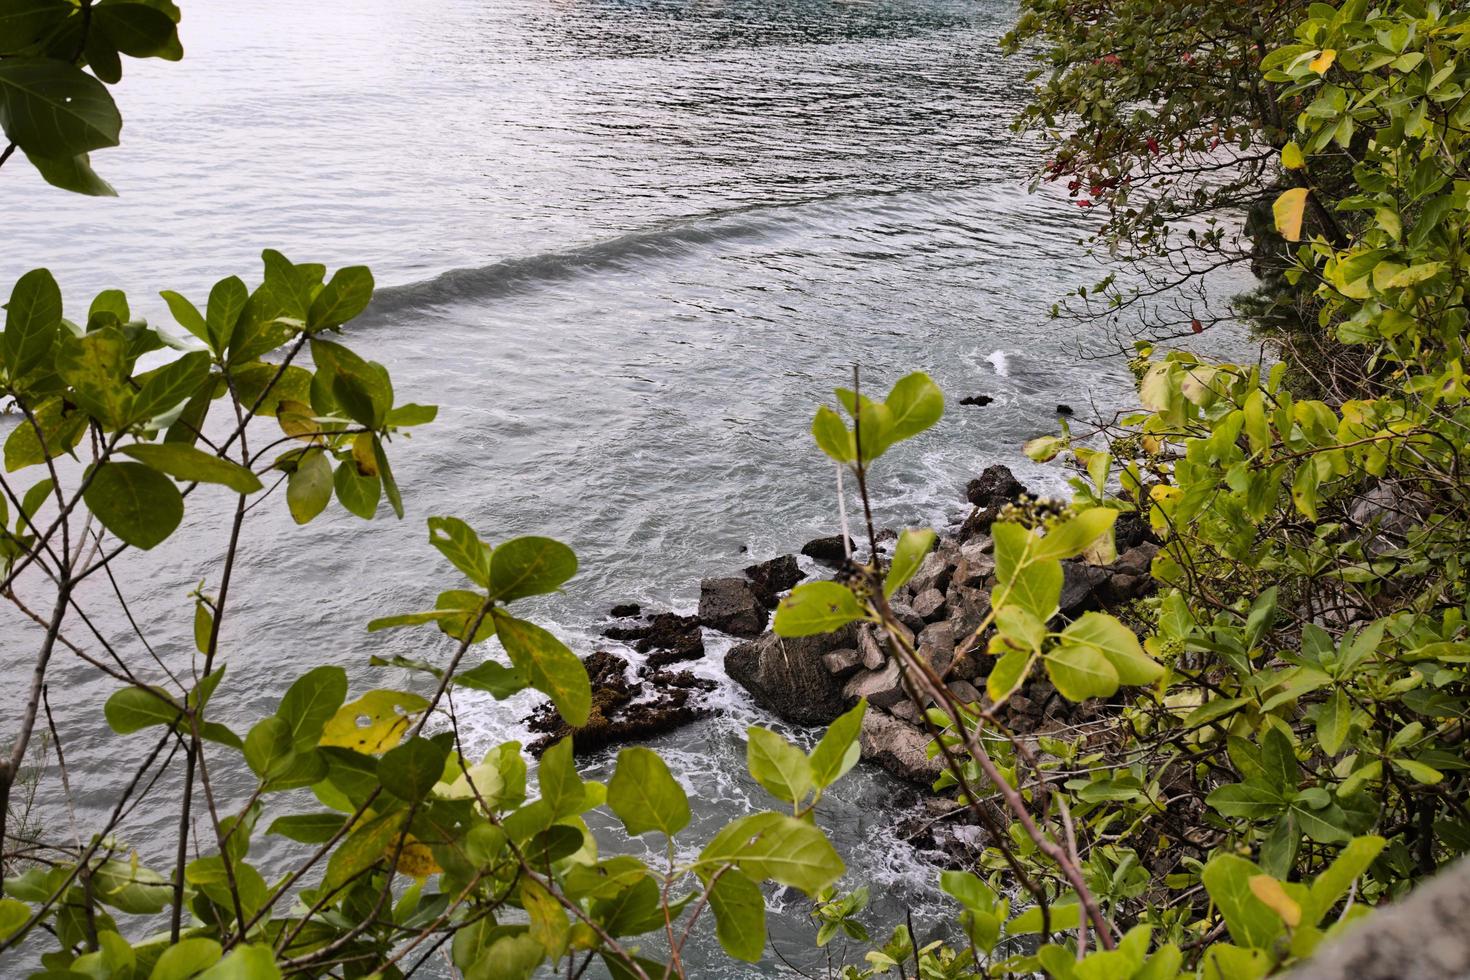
<point>995,487</point>
<point>829,551</point>
<point>977,400</point>
<point>624,710</point>
<point>733,605</point>
<point>787,675</point>
<point>673,637</point>
<point>627,610</point>
<point>773,577</point>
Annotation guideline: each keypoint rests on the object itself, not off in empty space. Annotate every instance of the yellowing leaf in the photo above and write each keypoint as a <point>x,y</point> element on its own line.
<point>416,860</point>
<point>1292,157</point>
<point>373,723</point>
<point>1274,897</point>
<point>1323,61</point>
<point>1288,210</point>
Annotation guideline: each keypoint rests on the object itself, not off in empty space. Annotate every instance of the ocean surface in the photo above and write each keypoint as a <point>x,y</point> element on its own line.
<point>626,246</point>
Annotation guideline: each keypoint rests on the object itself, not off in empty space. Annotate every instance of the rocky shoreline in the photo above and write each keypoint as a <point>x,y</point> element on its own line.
<point>812,680</point>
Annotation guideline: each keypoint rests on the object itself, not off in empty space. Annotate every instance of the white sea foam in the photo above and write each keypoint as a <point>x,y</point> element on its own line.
<point>1001,362</point>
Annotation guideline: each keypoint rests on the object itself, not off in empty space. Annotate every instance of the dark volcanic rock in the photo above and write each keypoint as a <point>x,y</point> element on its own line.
<point>675,637</point>
<point>1080,583</point>
<point>898,747</point>
<point>732,605</point>
<point>773,577</point>
<point>980,400</point>
<point>1066,410</point>
<point>993,489</point>
<point>626,611</point>
<point>623,711</point>
<point>788,676</point>
<point>829,551</point>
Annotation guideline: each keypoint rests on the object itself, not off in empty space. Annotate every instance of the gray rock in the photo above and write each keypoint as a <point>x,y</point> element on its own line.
<point>787,675</point>
<point>829,551</point>
<point>732,605</point>
<point>964,692</point>
<point>1080,583</point>
<point>936,645</point>
<point>898,747</point>
<point>773,577</point>
<point>974,571</point>
<point>1136,561</point>
<point>933,573</point>
<point>929,605</point>
<point>906,615</point>
<point>870,649</point>
<point>977,548</point>
<point>909,712</point>
<point>883,688</point>
<point>842,663</point>
<point>967,609</point>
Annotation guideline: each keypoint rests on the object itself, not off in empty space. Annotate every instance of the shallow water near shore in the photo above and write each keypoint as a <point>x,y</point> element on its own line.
<point>626,247</point>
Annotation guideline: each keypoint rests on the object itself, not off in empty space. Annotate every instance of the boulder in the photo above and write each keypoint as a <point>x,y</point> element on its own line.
<point>1080,583</point>
<point>1136,560</point>
<point>773,577</point>
<point>929,605</point>
<point>967,608</point>
<point>883,688</point>
<point>828,551</point>
<point>964,692</point>
<point>993,489</point>
<point>788,676</point>
<point>936,645</point>
<point>870,648</point>
<point>898,747</point>
<point>906,615</point>
<point>933,573</point>
<point>732,605</point>
<point>980,401</point>
<point>974,570</point>
<point>625,611</point>
<point>842,663</point>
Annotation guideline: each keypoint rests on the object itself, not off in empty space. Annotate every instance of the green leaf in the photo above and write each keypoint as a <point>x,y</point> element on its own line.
<point>494,678</point>
<point>193,465</point>
<point>310,702</point>
<point>32,322</point>
<point>916,404</point>
<point>95,365</point>
<point>268,749</point>
<point>740,915</point>
<point>309,487</point>
<point>529,566</point>
<point>1333,883</point>
<point>370,843</point>
<point>969,890</point>
<point>908,555</point>
<point>645,795</point>
<point>777,847</point>
<point>1063,918</point>
<point>361,388</point>
<point>357,494</point>
<point>227,301</point>
<point>782,768</point>
<point>186,958</point>
<point>838,751</point>
<point>341,299</point>
<point>139,30</point>
<point>135,502</point>
<point>817,607</point>
<point>245,963</point>
<point>832,435</point>
<point>410,770</point>
<point>1333,720</point>
<point>165,388</point>
<point>308,828</point>
<point>550,926</point>
<point>1071,537</point>
<point>561,787</point>
<point>1117,643</point>
<point>1251,923</point>
<point>1007,674</point>
<point>1249,800</point>
<point>547,663</point>
<point>1081,672</point>
<point>133,709</point>
<point>458,542</point>
<point>60,430</point>
<point>385,473</point>
<point>54,109</point>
